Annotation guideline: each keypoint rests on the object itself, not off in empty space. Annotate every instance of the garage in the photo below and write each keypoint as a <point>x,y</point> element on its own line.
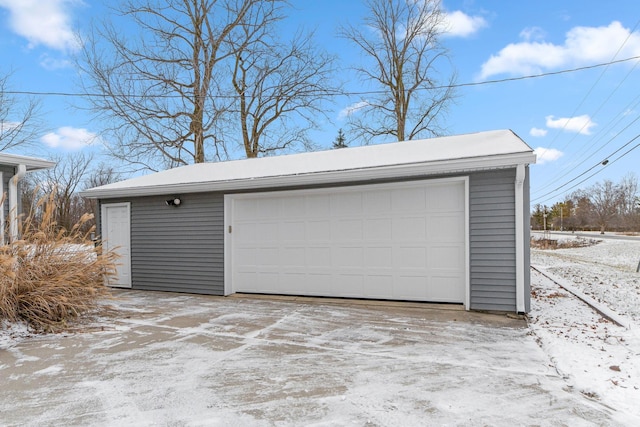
<point>437,220</point>
<point>388,241</point>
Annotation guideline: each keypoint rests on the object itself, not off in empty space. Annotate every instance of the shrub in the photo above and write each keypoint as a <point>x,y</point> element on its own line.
<point>51,275</point>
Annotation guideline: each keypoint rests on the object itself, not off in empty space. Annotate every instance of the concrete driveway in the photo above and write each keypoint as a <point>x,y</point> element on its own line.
<point>171,360</point>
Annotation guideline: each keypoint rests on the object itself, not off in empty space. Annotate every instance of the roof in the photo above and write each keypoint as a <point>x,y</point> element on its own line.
<point>450,154</point>
<point>31,163</point>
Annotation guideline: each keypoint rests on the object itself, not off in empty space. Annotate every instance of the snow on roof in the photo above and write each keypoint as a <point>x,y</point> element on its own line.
<point>32,163</point>
<point>492,149</point>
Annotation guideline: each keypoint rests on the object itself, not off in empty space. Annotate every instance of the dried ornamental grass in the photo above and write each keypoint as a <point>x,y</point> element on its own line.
<point>51,276</point>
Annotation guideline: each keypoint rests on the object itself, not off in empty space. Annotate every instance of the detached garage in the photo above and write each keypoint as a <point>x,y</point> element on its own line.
<point>438,220</point>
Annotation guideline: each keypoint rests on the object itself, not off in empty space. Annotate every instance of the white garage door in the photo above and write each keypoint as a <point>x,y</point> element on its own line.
<point>401,241</point>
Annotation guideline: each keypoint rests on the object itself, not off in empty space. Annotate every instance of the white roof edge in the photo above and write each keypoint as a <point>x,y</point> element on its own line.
<point>329,177</point>
<point>32,163</point>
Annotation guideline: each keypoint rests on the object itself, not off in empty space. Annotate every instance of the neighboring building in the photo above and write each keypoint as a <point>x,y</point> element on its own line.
<point>12,170</point>
<point>442,220</point>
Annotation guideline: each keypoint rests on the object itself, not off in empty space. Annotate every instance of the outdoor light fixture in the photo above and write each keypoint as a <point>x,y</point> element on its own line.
<point>174,202</point>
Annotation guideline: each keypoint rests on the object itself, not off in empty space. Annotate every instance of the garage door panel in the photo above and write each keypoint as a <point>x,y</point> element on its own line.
<point>346,203</point>
<point>411,257</point>
<point>445,198</point>
<point>348,229</point>
<point>319,256</point>
<point>318,206</point>
<point>409,229</point>
<point>348,256</point>
<point>446,227</point>
<point>389,241</point>
<point>268,256</point>
<point>378,201</point>
<point>349,285</point>
<point>292,231</point>
<point>377,257</point>
<point>411,288</point>
<point>446,257</point>
<point>319,230</point>
<point>379,286</point>
<point>377,229</point>
<point>444,289</point>
<point>293,256</point>
<point>409,200</point>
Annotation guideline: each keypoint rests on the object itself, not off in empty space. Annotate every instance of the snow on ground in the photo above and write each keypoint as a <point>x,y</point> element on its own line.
<point>605,271</point>
<point>597,357</point>
<point>191,360</point>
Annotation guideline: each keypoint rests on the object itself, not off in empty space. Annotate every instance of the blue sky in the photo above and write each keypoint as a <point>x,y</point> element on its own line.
<point>574,120</point>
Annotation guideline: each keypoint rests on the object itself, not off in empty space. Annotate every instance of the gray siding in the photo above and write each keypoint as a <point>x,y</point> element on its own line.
<point>178,249</point>
<point>492,240</point>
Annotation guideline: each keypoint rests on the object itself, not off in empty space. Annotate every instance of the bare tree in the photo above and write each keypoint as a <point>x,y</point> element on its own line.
<point>103,174</point>
<point>63,181</point>
<point>277,83</point>
<point>162,90</point>
<point>19,124</point>
<point>628,194</point>
<point>605,198</point>
<point>401,38</point>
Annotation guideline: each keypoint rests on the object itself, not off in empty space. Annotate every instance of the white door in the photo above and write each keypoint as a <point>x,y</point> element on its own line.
<point>402,241</point>
<point>116,236</point>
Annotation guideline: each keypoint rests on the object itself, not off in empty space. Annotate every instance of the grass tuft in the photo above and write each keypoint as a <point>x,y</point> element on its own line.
<point>51,276</point>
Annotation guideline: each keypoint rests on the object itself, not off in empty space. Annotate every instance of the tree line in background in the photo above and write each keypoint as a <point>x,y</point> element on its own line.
<point>60,185</point>
<point>604,206</point>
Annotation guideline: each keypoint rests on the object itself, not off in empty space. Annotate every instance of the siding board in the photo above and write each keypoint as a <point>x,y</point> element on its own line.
<point>492,270</point>
<point>178,249</point>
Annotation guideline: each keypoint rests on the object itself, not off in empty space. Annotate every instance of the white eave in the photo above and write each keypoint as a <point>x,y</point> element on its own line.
<point>436,156</point>
<point>31,163</point>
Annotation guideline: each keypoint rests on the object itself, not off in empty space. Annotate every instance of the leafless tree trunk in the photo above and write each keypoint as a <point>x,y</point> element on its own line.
<point>277,83</point>
<point>63,180</point>
<point>102,175</point>
<point>162,88</point>
<point>605,198</point>
<point>19,123</point>
<point>402,40</point>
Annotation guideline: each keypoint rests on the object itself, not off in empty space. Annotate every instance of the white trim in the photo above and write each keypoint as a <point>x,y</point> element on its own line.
<point>104,236</point>
<point>229,200</point>
<point>21,171</point>
<point>228,261</point>
<point>31,163</point>
<point>467,244</point>
<point>519,208</point>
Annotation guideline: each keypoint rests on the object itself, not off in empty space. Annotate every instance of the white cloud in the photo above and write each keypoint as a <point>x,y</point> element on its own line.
<point>544,155</point>
<point>49,63</point>
<point>582,45</point>
<point>70,138</point>
<point>43,22</point>
<point>579,124</point>
<point>8,126</point>
<point>352,109</point>
<point>532,33</point>
<point>538,132</point>
<point>459,24</point>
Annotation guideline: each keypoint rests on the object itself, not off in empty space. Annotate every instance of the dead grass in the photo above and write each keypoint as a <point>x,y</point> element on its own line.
<point>50,277</point>
<point>579,242</point>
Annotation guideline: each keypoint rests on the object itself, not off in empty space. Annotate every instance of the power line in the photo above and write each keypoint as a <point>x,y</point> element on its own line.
<point>604,162</point>
<point>355,93</point>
